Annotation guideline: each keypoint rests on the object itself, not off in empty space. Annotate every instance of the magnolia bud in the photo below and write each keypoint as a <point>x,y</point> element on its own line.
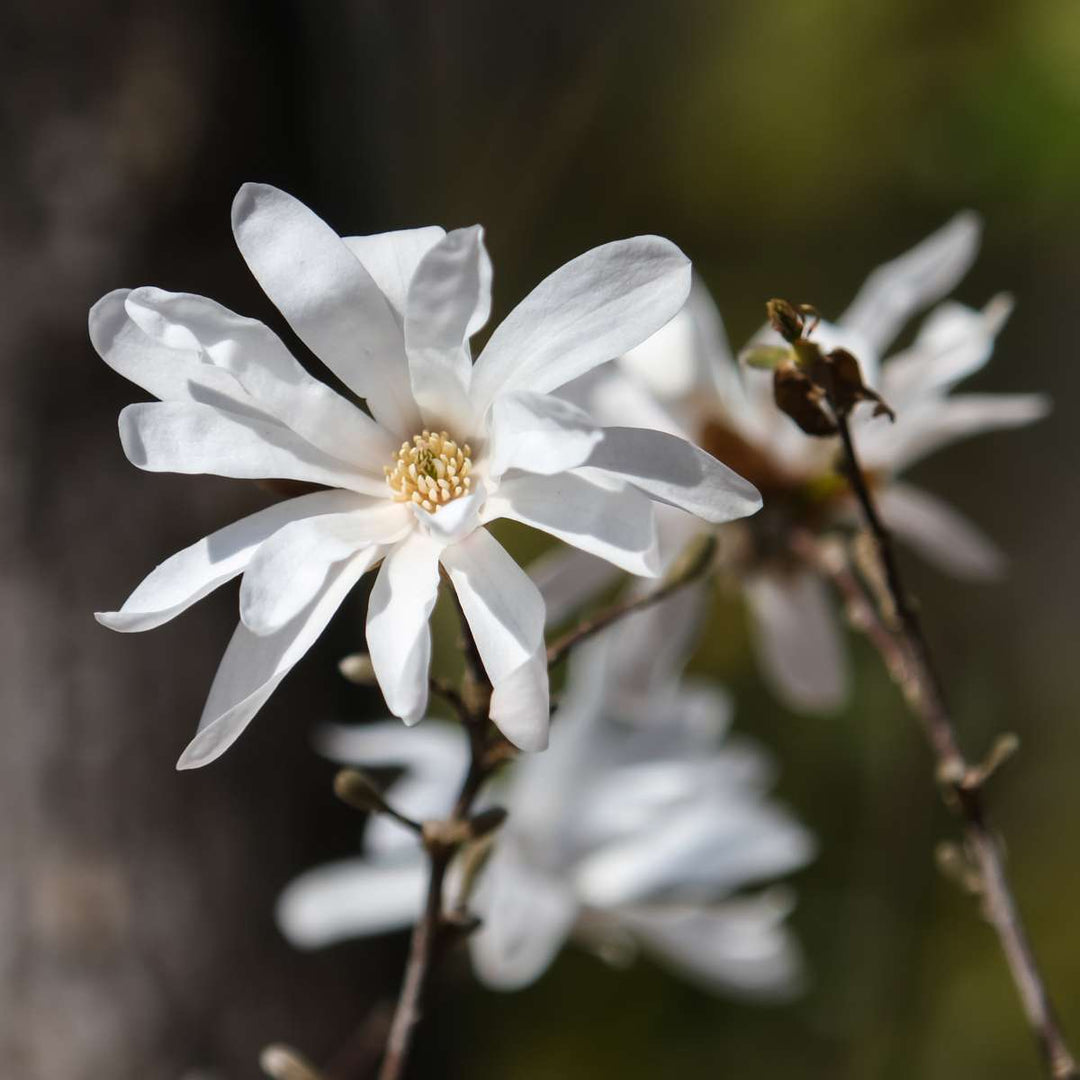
<point>765,357</point>
<point>785,320</point>
<point>486,822</point>
<point>358,669</point>
<point>355,789</point>
<point>283,1063</point>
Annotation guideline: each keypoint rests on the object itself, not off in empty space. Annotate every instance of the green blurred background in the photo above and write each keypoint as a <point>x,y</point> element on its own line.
<point>788,147</point>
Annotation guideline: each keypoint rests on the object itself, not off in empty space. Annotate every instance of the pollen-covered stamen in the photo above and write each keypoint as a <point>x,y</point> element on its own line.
<point>430,471</point>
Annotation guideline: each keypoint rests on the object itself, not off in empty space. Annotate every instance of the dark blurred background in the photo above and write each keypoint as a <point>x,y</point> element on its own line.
<point>788,147</point>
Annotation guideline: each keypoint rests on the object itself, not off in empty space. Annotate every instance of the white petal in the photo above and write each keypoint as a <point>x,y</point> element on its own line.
<point>526,918</point>
<point>448,301</point>
<point>253,666</point>
<point>505,612</point>
<point>391,259</point>
<point>798,643</point>
<point>593,309</point>
<point>717,844</point>
<point>689,356</point>
<point>720,370</point>
<point>351,898</point>
<point>398,635</point>
<point>613,397</point>
<point>674,471</point>
<point>667,362</point>
<point>618,526</point>
<point>293,565</point>
<point>434,757</point>
<point>328,298</point>
<point>646,653</point>
<point>937,423</point>
<point>431,749</point>
<point>939,533</point>
<point>454,520</point>
<point>568,579</point>
<point>196,571</point>
<point>184,437</point>
<point>521,703</point>
<point>539,433</point>
<point>258,359</point>
<point>737,947</point>
<point>954,342</point>
<point>898,289</point>
<point>168,373</point>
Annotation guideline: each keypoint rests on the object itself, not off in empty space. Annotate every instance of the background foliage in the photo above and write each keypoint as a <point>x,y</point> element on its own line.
<point>788,146</point>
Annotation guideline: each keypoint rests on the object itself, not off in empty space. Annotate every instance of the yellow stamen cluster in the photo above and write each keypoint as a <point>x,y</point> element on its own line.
<point>430,471</point>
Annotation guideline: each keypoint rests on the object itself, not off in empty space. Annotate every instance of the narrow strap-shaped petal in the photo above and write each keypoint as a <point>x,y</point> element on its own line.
<point>253,666</point>
<point>798,643</point>
<point>719,844</point>
<point>432,749</point>
<point>593,309</point>
<point>539,433</point>
<point>434,757</point>
<point>568,579</point>
<point>931,425</point>
<point>398,634</point>
<point>352,898</point>
<point>954,342</point>
<point>328,298</point>
<point>505,613</point>
<point>526,917</point>
<point>741,946</point>
<point>168,373</point>
<point>266,369</point>
<point>292,566</point>
<point>615,396</point>
<point>688,356</point>
<point>184,437</point>
<point>674,471</point>
<point>193,573</point>
<point>940,533</point>
<point>391,258</point>
<point>617,525</point>
<point>899,289</point>
<point>449,299</point>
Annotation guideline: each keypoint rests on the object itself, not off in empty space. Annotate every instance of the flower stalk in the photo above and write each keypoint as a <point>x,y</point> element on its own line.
<point>441,842</point>
<point>962,783</point>
<point>695,563</point>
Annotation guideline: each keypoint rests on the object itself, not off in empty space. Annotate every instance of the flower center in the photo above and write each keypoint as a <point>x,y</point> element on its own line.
<point>430,471</point>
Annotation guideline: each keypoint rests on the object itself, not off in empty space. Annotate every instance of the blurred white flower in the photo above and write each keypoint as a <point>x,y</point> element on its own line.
<point>449,446</point>
<point>684,380</point>
<point>639,828</point>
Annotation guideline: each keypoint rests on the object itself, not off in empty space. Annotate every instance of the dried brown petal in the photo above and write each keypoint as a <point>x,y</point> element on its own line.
<point>848,388</point>
<point>801,398</point>
<point>785,319</point>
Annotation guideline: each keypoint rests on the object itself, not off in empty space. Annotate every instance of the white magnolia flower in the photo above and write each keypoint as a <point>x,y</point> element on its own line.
<point>685,381</point>
<point>448,446</point>
<point>636,829</point>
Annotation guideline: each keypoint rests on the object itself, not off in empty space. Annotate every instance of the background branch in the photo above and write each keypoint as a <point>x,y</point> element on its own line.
<point>695,563</point>
<point>962,782</point>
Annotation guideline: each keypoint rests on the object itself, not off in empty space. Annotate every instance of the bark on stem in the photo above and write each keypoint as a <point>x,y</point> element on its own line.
<point>962,783</point>
<point>428,934</point>
<point>696,564</point>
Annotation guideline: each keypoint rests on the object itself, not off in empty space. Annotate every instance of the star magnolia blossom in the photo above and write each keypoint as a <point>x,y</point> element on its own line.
<point>449,446</point>
<point>685,381</point>
<point>638,828</point>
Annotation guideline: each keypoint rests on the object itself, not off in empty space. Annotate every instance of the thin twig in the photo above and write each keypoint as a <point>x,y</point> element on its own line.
<point>417,970</point>
<point>433,925</point>
<point>431,932</point>
<point>962,782</point>
<point>696,565</point>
